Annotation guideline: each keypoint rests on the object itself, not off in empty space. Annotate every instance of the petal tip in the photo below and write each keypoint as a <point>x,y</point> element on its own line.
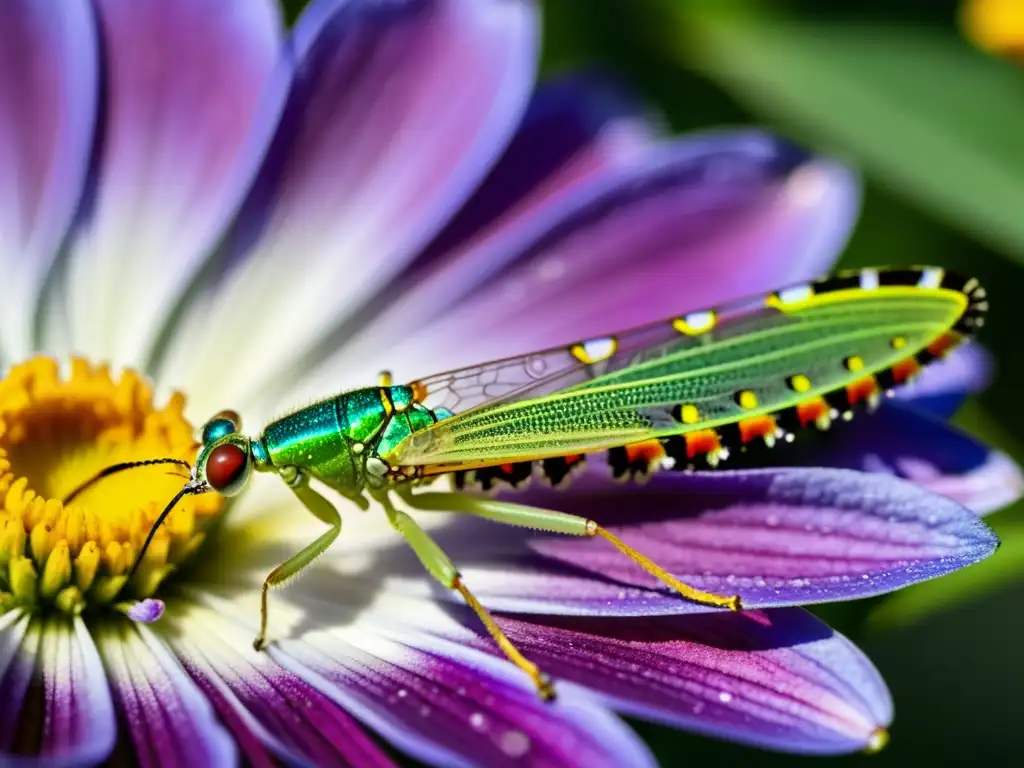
<point>145,611</point>
<point>877,741</point>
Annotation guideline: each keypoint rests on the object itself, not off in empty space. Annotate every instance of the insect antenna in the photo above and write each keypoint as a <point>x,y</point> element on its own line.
<point>113,469</point>
<point>187,490</point>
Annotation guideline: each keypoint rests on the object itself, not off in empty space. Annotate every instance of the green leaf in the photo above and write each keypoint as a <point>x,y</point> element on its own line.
<point>914,106</point>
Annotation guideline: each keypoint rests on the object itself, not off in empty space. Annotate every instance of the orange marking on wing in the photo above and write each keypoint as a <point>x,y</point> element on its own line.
<point>943,344</point>
<point>755,427</point>
<point>647,453</point>
<point>904,369</point>
<point>861,389</point>
<point>702,441</point>
<point>810,411</point>
<point>574,459</point>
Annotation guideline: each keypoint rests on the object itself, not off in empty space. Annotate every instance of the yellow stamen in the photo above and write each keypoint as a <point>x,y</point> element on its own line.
<point>56,432</point>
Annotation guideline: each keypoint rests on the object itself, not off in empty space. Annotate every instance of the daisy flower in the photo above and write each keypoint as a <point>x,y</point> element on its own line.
<point>195,200</point>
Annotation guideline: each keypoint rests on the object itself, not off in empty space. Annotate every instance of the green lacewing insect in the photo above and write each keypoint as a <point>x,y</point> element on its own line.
<point>673,395</point>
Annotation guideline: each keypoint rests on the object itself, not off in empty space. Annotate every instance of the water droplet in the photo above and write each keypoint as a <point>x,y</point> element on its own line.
<point>514,743</point>
<point>425,711</point>
<point>402,693</point>
<point>478,721</point>
<point>724,697</point>
<point>772,521</point>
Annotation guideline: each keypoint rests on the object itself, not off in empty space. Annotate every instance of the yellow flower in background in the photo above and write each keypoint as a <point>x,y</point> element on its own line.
<point>996,26</point>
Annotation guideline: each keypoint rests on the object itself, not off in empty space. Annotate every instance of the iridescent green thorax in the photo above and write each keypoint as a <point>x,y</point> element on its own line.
<point>332,439</point>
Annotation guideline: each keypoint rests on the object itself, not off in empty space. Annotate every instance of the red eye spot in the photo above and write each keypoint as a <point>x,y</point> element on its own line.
<point>225,466</point>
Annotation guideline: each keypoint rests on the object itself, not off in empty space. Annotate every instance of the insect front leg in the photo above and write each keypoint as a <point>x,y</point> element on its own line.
<point>440,566</point>
<point>560,522</point>
<point>298,481</point>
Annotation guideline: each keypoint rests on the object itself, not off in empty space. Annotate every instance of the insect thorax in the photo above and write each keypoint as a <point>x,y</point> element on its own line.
<point>334,440</point>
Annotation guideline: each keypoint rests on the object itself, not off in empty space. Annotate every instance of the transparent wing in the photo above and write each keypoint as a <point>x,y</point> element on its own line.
<point>692,373</point>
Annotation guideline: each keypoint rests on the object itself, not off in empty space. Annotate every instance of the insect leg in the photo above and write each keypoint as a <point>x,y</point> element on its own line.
<point>323,509</point>
<point>560,522</point>
<point>440,566</point>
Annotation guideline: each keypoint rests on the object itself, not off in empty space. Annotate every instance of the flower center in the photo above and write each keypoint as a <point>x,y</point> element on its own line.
<point>57,432</point>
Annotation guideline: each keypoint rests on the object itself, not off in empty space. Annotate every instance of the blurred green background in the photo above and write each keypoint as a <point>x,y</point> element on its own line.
<point>935,126</point>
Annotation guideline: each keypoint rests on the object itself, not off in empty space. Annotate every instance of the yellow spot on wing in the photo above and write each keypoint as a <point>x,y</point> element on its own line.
<point>747,399</point>
<point>689,414</point>
<point>800,383</point>
<point>854,363</point>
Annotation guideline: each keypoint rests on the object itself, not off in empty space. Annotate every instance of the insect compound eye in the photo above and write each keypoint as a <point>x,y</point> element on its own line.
<point>227,469</point>
<point>217,427</point>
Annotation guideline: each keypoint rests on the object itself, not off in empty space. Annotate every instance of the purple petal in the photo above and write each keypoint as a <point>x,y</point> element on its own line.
<point>72,723</point>
<point>696,222</point>
<point>778,679</point>
<point>48,91</point>
<point>574,128</point>
<point>266,707</point>
<point>398,110</point>
<point>775,537</point>
<point>147,611</point>
<point>942,386</point>
<point>169,720</point>
<point>454,707</point>
<point>923,449</point>
<point>186,118</point>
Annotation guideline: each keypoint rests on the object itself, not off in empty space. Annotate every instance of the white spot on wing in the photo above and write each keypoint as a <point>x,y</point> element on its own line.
<point>869,280</point>
<point>930,278</point>
<point>595,350</point>
<point>700,321</point>
<point>795,294</point>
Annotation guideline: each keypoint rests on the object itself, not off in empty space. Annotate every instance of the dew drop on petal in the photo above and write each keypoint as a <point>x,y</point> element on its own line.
<point>478,721</point>
<point>402,693</point>
<point>725,697</point>
<point>514,743</point>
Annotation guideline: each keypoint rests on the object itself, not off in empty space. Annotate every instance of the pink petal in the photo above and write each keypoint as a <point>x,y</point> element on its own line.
<point>267,708</point>
<point>778,679</point>
<point>397,112</point>
<point>574,128</point>
<point>73,720</point>
<point>452,707</point>
<point>48,91</point>
<point>691,224</point>
<point>186,117</point>
<point>169,720</point>
<point>942,387</point>
<point>773,536</point>
<point>574,131</point>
